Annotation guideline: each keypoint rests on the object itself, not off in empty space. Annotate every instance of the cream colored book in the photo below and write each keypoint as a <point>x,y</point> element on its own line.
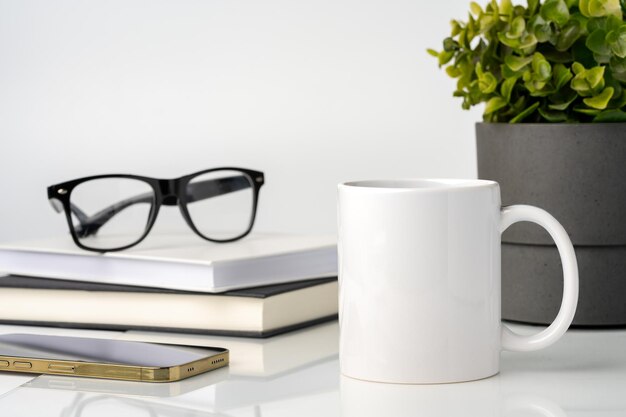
<point>253,312</point>
<point>179,262</point>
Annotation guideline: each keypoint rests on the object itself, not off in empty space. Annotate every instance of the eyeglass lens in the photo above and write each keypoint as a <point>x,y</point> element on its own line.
<point>111,212</point>
<point>221,204</point>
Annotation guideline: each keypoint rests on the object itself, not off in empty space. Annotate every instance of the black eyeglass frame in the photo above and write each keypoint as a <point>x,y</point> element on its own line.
<point>167,192</point>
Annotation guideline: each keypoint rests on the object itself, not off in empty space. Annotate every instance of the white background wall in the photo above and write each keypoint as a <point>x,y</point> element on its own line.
<point>311,92</point>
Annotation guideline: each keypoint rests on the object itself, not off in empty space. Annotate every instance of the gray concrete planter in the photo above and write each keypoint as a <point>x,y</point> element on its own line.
<point>578,173</point>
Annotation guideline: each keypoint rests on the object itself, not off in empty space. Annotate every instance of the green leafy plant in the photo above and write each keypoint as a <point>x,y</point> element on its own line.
<point>551,61</point>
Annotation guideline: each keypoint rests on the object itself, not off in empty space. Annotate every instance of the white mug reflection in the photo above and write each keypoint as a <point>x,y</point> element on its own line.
<point>482,398</point>
<point>530,405</point>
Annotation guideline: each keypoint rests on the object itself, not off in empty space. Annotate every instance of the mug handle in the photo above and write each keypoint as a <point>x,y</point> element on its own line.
<point>514,341</point>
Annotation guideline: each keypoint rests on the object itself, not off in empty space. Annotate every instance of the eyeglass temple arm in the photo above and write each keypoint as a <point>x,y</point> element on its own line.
<point>80,215</point>
<point>58,207</point>
<point>92,224</point>
<point>202,190</point>
<point>89,225</point>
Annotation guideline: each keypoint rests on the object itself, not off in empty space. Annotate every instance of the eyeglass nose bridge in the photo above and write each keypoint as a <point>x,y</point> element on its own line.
<point>168,190</point>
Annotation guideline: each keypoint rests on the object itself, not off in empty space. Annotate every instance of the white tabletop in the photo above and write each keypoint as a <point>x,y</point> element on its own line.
<point>584,374</point>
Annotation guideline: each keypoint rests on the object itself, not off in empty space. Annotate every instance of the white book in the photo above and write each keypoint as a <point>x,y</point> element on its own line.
<point>179,262</point>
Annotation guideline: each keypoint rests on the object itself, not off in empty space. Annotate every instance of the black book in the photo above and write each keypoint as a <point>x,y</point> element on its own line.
<point>252,312</point>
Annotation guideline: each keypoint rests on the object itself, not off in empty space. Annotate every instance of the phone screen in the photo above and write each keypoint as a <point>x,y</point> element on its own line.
<point>108,351</point>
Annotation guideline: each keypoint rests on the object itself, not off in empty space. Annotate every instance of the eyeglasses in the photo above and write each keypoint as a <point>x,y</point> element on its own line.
<point>115,212</point>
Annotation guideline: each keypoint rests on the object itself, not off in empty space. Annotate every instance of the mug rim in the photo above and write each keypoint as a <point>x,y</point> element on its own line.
<point>418,184</point>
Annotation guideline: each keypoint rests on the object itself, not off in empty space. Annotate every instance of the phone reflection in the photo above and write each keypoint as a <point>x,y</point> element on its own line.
<point>130,388</point>
<point>62,396</point>
<point>86,405</point>
<point>484,398</point>
<point>214,393</point>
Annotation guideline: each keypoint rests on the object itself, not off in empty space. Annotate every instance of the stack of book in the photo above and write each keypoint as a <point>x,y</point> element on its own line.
<point>260,286</point>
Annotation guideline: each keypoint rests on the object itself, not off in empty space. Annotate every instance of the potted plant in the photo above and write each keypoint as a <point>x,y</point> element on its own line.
<point>552,77</point>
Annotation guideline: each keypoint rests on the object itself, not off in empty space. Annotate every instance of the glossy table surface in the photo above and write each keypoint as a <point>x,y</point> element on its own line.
<point>584,374</point>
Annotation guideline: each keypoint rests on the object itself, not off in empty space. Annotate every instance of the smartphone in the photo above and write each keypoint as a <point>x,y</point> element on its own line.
<point>106,358</point>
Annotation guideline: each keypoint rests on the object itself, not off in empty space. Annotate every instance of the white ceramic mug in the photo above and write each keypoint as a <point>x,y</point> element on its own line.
<point>419,280</point>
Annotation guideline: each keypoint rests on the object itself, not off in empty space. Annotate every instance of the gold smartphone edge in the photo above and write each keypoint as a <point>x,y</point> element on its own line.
<point>114,371</point>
